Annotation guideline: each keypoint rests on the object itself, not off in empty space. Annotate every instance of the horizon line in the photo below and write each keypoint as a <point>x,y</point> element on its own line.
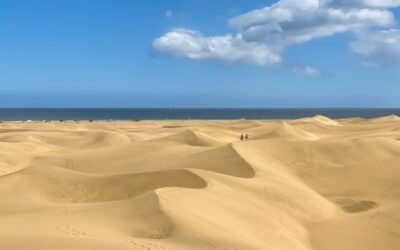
<point>183,108</point>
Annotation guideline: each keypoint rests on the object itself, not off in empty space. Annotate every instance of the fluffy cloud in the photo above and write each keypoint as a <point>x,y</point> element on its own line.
<point>193,45</point>
<point>363,3</point>
<point>379,47</point>
<point>260,36</point>
<point>291,21</point>
<point>377,3</point>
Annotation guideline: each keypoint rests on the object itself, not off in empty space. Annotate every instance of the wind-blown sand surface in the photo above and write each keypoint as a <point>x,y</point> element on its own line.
<point>312,183</point>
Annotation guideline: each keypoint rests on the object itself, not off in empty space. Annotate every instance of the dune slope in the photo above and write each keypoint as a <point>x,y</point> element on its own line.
<point>312,183</point>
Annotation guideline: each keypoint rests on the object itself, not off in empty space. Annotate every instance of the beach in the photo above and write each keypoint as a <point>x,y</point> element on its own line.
<point>309,183</point>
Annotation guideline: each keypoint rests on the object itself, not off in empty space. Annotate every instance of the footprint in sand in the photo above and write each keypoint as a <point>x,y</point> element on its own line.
<point>356,206</point>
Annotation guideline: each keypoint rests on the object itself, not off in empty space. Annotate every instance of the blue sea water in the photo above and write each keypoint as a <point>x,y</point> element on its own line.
<point>9,114</point>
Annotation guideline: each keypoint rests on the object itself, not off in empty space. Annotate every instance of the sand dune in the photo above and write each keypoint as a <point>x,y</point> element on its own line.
<point>279,130</point>
<point>190,137</point>
<point>318,119</point>
<point>311,183</point>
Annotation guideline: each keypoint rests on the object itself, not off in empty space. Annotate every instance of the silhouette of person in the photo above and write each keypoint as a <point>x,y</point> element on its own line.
<point>241,137</point>
<point>247,137</point>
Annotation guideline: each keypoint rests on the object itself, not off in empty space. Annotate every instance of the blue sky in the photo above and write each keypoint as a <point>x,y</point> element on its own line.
<point>97,53</point>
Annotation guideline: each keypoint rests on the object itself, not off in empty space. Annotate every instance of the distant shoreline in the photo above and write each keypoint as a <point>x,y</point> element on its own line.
<point>127,114</point>
<point>86,121</point>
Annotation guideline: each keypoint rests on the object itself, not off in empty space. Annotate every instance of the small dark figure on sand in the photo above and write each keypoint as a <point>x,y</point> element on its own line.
<point>241,137</point>
<point>247,137</point>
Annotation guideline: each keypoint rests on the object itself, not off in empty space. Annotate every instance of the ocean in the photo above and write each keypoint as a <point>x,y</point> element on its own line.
<point>37,114</point>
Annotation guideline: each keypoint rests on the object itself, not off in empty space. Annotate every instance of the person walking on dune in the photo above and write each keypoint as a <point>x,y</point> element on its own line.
<point>241,137</point>
<point>247,137</point>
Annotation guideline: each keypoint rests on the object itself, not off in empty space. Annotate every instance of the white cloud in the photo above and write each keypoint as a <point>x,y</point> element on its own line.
<point>228,48</point>
<point>290,22</point>
<point>260,36</point>
<point>169,14</point>
<point>378,47</point>
<point>363,3</point>
<point>307,71</point>
<point>380,3</point>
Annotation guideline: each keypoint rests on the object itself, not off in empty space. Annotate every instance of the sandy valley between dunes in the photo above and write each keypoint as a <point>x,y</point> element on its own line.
<point>311,183</point>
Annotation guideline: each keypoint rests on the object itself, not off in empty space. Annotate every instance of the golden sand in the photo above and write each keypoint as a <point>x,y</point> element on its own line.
<point>312,183</point>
